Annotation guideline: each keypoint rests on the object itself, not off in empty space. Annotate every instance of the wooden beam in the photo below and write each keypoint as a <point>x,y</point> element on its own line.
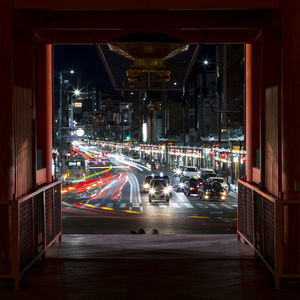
<point>150,20</point>
<point>145,5</point>
<point>86,37</point>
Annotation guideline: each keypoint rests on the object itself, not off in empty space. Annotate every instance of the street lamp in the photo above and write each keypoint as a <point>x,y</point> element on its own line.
<point>77,92</point>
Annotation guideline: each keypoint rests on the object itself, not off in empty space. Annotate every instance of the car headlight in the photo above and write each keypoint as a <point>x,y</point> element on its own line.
<point>167,189</point>
<point>181,185</point>
<point>224,193</point>
<point>146,185</point>
<point>223,197</point>
<point>152,191</point>
<point>184,172</point>
<point>206,197</point>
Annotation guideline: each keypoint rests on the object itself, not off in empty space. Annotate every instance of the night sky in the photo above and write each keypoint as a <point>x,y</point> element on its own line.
<point>85,62</point>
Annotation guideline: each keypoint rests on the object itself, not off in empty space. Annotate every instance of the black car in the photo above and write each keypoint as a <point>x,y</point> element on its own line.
<point>146,183</point>
<point>214,191</point>
<point>152,165</point>
<point>192,186</point>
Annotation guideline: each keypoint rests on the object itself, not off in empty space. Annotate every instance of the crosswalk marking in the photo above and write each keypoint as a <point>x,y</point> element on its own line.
<point>109,205</point>
<point>162,205</point>
<point>212,205</point>
<point>188,205</point>
<point>182,205</point>
<point>227,206</point>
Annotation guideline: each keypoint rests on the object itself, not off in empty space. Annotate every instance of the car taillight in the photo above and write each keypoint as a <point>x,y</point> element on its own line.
<point>201,183</point>
<point>192,188</point>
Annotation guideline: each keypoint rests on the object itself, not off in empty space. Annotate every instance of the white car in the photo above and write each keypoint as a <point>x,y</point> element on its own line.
<point>205,171</point>
<point>221,180</point>
<point>190,171</point>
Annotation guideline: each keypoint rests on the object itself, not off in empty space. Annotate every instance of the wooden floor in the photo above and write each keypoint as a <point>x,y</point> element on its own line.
<point>140,266</point>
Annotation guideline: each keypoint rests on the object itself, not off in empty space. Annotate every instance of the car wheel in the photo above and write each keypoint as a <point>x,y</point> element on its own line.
<point>150,200</point>
<point>167,199</point>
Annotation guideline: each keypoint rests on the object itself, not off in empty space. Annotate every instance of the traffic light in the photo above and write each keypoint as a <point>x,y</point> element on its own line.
<point>127,138</point>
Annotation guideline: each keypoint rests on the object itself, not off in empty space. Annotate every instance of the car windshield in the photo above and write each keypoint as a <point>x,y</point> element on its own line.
<point>191,169</point>
<point>221,180</point>
<point>216,186</point>
<point>156,182</point>
<point>74,164</point>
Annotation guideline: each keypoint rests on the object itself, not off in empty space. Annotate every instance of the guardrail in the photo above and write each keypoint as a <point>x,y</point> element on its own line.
<point>261,225</point>
<point>35,224</point>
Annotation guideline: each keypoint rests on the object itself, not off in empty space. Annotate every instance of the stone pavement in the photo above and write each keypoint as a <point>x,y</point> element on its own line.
<point>150,266</point>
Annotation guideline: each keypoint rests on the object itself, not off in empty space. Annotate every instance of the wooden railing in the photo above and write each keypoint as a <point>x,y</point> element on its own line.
<point>261,225</point>
<point>35,224</point>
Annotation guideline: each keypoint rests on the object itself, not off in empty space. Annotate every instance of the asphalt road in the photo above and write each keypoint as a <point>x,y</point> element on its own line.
<point>112,202</point>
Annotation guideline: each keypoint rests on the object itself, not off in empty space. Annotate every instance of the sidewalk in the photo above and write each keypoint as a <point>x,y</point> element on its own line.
<point>150,267</point>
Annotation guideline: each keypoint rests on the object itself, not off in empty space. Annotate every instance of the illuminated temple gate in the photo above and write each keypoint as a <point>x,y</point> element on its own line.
<point>268,201</point>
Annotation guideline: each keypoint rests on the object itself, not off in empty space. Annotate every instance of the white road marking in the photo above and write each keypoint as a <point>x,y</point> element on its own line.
<point>228,206</point>
<point>200,205</point>
<point>175,204</point>
<point>163,205</point>
<point>182,199</point>
<point>123,205</point>
<point>135,204</point>
<point>212,205</point>
<point>188,205</point>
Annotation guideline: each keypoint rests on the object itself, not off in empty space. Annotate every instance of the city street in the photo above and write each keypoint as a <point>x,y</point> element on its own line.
<point>113,201</point>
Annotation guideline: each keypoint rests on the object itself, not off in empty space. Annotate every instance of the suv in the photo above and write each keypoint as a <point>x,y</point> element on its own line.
<point>190,171</point>
<point>204,172</point>
<point>160,189</point>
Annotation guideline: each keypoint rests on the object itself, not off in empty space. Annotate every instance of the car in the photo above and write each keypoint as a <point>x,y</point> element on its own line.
<point>205,171</point>
<point>214,191</point>
<point>146,183</point>
<point>153,165</point>
<point>148,178</point>
<point>136,157</point>
<point>206,177</point>
<point>221,180</point>
<point>192,186</point>
<point>190,171</point>
<point>160,189</point>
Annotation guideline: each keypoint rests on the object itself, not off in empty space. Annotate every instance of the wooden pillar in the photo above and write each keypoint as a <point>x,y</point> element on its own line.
<point>290,113</point>
<point>6,96</point>
<point>44,106</point>
<point>7,184</point>
<point>49,111</point>
<point>24,104</point>
<point>249,112</point>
